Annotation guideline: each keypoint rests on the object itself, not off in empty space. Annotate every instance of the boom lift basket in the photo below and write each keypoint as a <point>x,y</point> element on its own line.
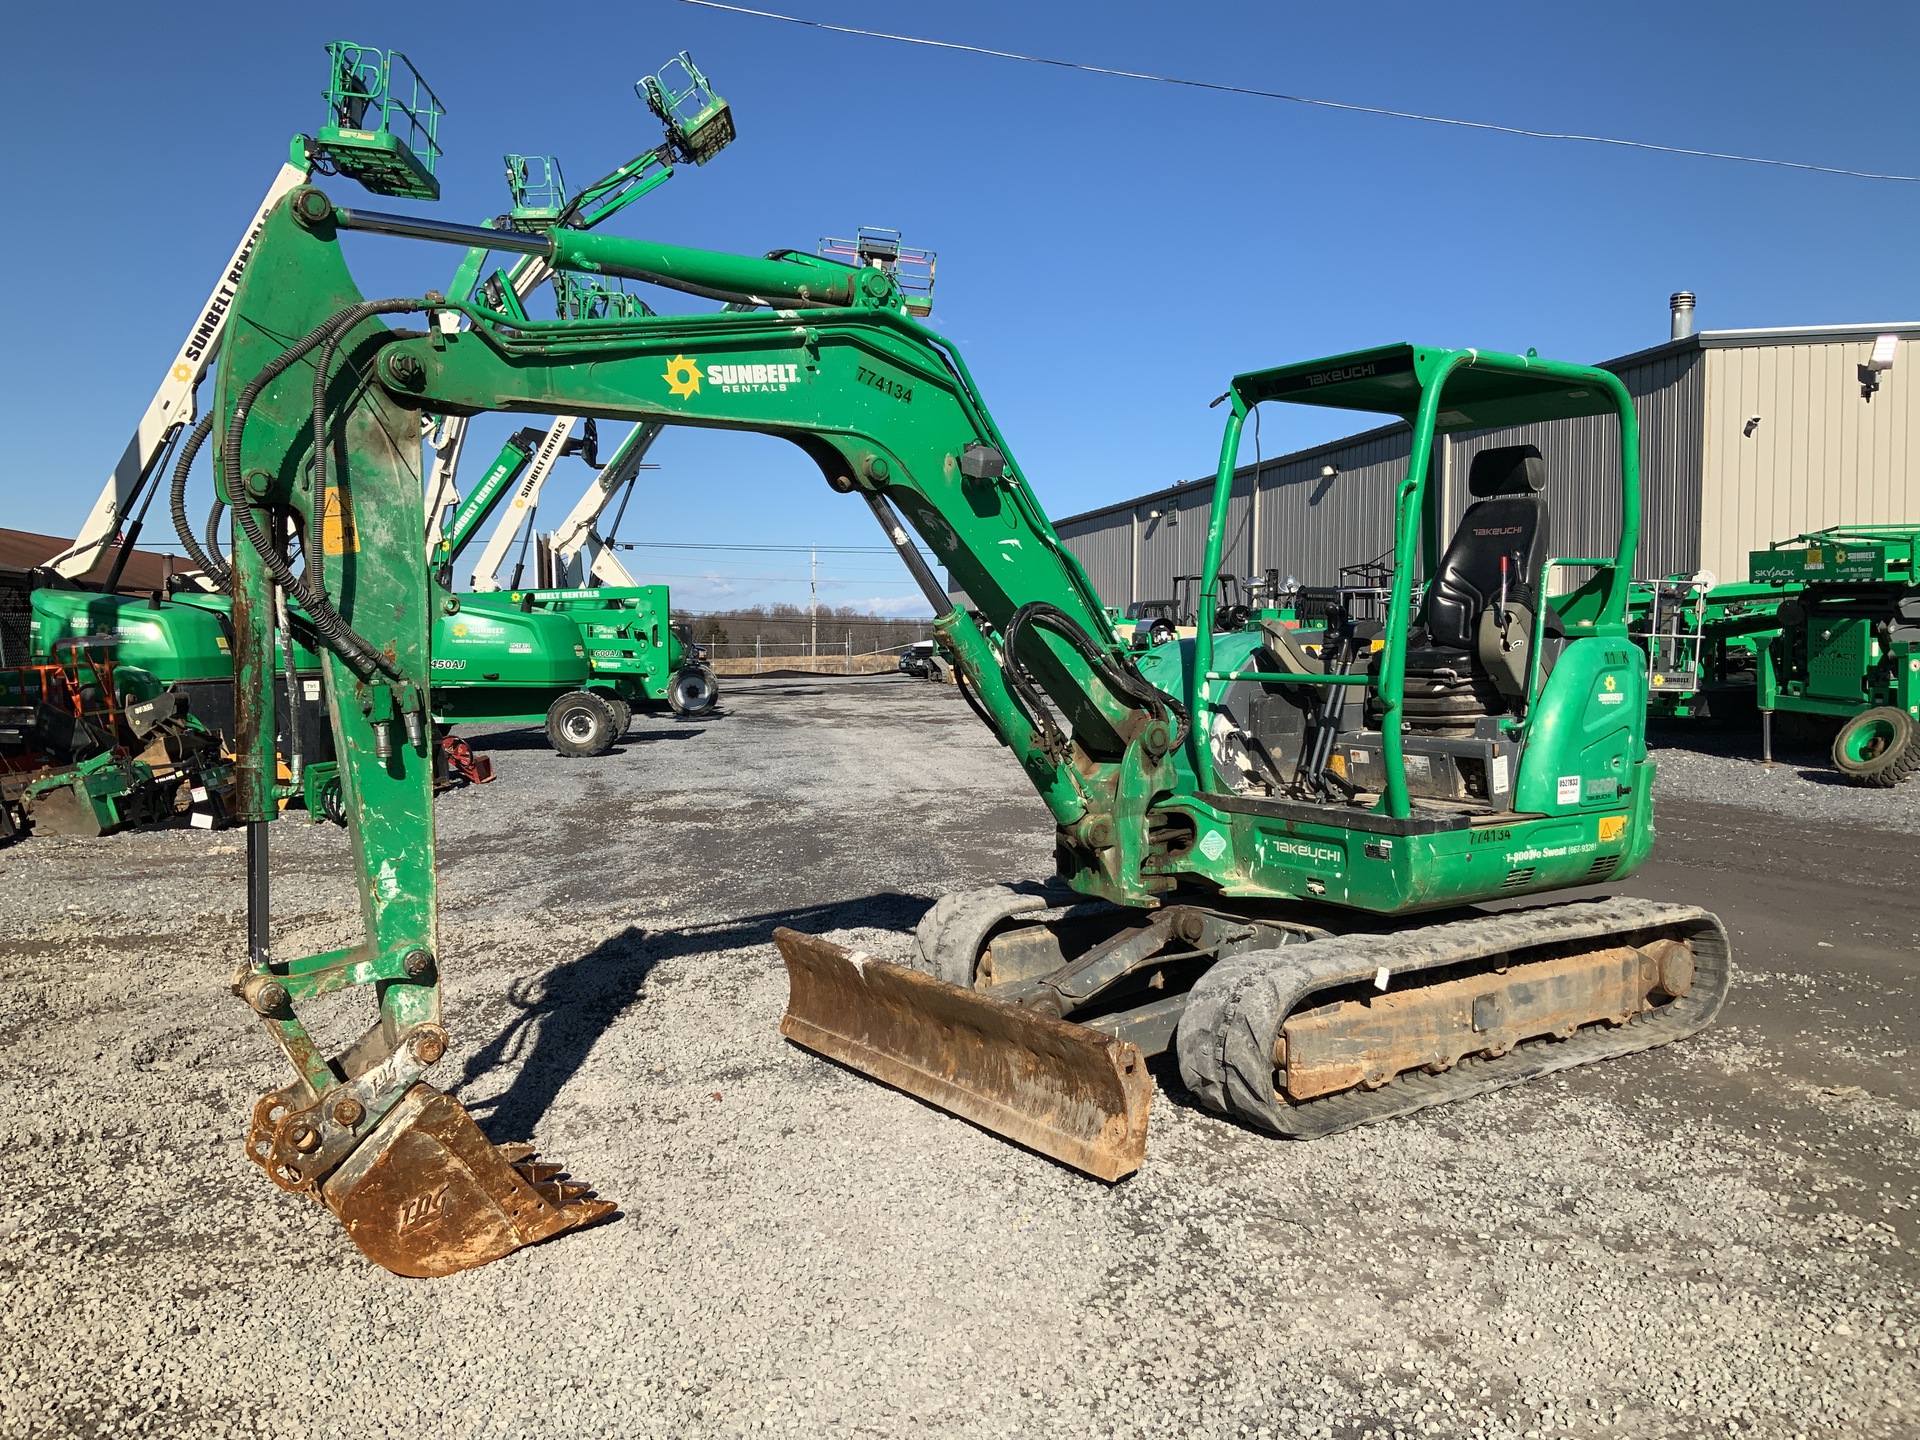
<point>364,138</point>
<point>878,249</point>
<point>539,192</point>
<point>699,123</point>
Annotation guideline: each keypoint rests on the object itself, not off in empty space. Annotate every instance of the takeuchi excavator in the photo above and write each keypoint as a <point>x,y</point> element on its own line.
<point>1269,843</point>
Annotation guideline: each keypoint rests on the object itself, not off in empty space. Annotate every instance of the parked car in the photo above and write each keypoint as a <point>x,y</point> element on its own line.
<point>917,660</point>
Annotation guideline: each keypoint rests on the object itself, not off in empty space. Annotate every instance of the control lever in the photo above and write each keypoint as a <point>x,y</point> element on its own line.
<point>1502,613</point>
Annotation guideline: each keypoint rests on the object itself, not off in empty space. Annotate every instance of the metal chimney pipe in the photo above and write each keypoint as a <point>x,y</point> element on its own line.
<point>1682,305</point>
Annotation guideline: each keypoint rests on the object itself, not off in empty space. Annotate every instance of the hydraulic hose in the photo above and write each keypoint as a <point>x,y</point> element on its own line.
<point>213,538</point>
<point>214,570</point>
<point>1125,683</point>
<point>329,626</point>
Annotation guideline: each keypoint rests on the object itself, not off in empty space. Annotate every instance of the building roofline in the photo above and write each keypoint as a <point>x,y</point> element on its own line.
<point>1292,457</point>
<point>1767,335</point>
<point>1701,340</point>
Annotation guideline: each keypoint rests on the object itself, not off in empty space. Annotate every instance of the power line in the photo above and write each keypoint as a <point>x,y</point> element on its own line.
<point>1304,99</point>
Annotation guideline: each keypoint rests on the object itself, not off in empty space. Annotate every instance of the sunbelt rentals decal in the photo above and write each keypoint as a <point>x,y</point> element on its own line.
<point>684,377</point>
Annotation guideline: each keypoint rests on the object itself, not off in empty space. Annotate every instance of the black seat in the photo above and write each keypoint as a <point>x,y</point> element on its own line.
<point>1507,521</point>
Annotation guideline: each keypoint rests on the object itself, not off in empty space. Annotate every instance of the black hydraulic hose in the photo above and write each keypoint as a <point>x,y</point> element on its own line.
<point>1126,684</point>
<point>337,326</point>
<point>328,624</point>
<point>973,700</point>
<point>213,539</point>
<point>214,570</point>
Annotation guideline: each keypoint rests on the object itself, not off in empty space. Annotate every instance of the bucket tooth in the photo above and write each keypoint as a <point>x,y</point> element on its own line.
<point>1068,1091</point>
<point>426,1194</point>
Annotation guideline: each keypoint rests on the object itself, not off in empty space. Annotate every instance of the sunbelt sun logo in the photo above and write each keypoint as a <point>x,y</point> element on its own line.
<point>684,376</point>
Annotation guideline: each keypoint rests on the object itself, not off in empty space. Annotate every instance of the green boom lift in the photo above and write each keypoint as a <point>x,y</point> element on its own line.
<point>511,661</point>
<point>1290,929</point>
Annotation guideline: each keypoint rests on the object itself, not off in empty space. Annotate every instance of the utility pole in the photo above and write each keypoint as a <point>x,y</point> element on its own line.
<point>813,608</point>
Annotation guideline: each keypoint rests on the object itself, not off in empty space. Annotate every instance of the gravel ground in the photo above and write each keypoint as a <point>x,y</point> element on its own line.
<point>1716,1237</point>
<point>1722,766</point>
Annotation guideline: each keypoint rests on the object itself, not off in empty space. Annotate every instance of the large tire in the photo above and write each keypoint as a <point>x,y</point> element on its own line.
<point>622,713</point>
<point>693,691</point>
<point>581,723</point>
<point>1877,747</point>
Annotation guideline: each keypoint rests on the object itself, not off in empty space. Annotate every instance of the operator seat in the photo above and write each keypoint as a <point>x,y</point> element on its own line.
<point>1465,665</point>
<point>1508,521</point>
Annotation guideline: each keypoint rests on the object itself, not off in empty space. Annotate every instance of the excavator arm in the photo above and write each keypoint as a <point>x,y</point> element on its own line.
<point>317,454</point>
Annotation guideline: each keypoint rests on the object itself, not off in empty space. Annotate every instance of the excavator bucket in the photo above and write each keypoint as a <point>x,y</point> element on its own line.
<point>426,1194</point>
<point>1068,1091</point>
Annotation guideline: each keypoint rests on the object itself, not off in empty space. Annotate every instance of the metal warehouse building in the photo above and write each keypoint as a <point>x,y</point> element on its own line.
<point>1747,436</point>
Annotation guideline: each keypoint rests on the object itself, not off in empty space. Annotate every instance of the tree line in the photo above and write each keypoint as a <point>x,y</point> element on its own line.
<point>786,626</point>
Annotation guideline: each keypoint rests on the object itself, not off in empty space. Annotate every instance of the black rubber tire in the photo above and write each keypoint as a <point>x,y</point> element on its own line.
<point>581,724</point>
<point>1160,632</point>
<point>1878,747</point>
<point>693,692</point>
<point>622,713</point>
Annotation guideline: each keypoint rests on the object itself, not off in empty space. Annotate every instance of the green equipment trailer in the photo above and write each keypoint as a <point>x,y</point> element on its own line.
<point>1847,645</point>
<point>1826,625</point>
<point>1288,831</point>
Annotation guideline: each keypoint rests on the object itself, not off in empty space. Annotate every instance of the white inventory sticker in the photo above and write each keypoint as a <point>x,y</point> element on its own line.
<point>1569,789</point>
<point>1499,773</point>
<point>310,688</point>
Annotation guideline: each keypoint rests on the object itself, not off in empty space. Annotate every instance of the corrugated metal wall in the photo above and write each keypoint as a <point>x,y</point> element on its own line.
<point>1311,524</point>
<point>1104,544</point>
<point>1819,454</point>
<point>1583,470</point>
<point>1173,543</point>
<point>1303,524</point>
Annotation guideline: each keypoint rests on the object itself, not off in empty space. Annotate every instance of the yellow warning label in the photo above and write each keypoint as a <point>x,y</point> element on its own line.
<point>1612,827</point>
<point>337,535</point>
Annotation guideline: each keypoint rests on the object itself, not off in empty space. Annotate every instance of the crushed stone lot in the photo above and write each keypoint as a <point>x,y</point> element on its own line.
<point>1715,1238</point>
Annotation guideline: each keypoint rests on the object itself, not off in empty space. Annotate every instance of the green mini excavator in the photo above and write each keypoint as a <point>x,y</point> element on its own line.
<point>1271,843</point>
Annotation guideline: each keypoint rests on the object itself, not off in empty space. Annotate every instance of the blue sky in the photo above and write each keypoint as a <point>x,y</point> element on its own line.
<point>1110,251</point>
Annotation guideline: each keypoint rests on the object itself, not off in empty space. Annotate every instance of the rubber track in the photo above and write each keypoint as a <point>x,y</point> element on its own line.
<point>1226,1035</point>
<point>950,936</point>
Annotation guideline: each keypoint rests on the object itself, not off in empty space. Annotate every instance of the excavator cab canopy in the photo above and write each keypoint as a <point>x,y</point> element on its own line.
<point>1434,390</point>
<point>1391,379</point>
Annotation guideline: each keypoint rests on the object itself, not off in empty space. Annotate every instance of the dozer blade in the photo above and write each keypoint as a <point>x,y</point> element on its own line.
<point>1065,1090</point>
<point>426,1194</point>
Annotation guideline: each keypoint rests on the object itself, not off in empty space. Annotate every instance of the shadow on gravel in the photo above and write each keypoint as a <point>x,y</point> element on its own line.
<point>564,1011</point>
